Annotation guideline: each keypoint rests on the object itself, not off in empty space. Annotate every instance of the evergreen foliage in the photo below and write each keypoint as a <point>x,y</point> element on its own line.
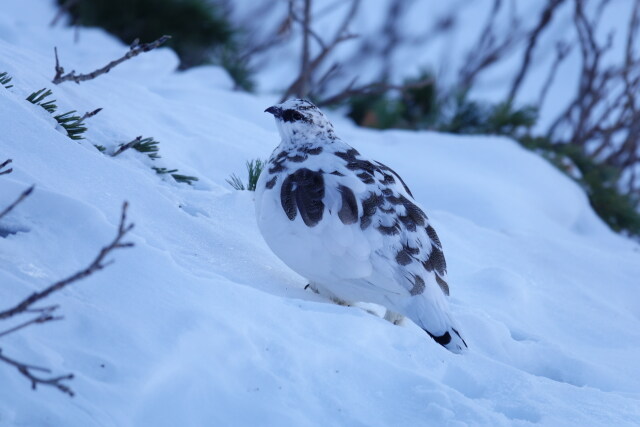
<point>39,96</point>
<point>149,146</point>
<point>5,78</point>
<point>201,34</point>
<point>426,108</point>
<point>254,169</point>
<point>73,124</point>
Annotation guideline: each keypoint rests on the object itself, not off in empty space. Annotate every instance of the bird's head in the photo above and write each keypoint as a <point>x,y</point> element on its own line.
<point>299,121</point>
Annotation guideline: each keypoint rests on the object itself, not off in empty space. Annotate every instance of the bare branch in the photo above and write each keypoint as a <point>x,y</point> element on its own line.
<point>543,22</point>
<point>4,164</point>
<point>562,50</point>
<point>25,370</point>
<point>90,114</point>
<point>134,50</point>
<point>125,147</point>
<point>46,315</point>
<point>489,49</point>
<point>19,200</point>
<point>304,80</point>
<point>97,264</point>
<point>305,70</point>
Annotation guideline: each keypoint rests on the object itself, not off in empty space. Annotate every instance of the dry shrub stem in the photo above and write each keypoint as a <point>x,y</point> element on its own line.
<point>135,49</point>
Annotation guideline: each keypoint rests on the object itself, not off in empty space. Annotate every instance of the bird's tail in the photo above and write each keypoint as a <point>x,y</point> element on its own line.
<point>451,340</point>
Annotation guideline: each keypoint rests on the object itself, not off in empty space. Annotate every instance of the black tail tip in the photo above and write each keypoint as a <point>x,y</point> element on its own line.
<point>445,340</point>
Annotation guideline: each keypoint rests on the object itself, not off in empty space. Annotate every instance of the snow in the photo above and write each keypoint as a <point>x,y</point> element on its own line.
<point>200,324</point>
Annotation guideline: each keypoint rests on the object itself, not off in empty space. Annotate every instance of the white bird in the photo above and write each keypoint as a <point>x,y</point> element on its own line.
<point>350,225</point>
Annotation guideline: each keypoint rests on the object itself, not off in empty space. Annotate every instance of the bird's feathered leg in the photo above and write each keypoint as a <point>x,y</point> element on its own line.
<point>393,317</point>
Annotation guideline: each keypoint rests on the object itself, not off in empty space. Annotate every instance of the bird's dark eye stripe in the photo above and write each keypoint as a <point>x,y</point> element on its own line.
<point>292,116</point>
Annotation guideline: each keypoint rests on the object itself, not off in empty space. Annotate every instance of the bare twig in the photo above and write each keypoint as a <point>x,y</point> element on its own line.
<point>125,147</point>
<point>90,114</point>
<point>46,315</point>
<point>562,50</point>
<point>489,49</point>
<point>341,35</point>
<point>134,50</point>
<point>97,264</point>
<point>543,22</point>
<point>25,370</point>
<point>304,63</point>
<point>19,200</point>
<point>4,164</point>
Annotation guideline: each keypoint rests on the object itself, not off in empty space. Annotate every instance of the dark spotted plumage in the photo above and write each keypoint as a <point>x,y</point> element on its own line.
<point>366,178</point>
<point>435,261</point>
<point>276,167</point>
<point>312,151</point>
<point>297,158</point>
<point>302,191</point>
<point>391,230</point>
<point>406,255</point>
<point>418,286</point>
<point>271,182</point>
<point>350,224</point>
<point>348,213</point>
<point>443,285</point>
<point>388,169</point>
<point>431,232</point>
<point>369,207</point>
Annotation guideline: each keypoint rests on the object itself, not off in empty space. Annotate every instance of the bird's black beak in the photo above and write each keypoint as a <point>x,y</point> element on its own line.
<point>276,111</point>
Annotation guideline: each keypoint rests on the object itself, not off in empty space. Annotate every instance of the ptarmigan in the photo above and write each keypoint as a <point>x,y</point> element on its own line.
<point>350,225</point>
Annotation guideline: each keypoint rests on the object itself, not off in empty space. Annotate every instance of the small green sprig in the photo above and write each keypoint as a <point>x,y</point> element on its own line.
<point>73,124</point>
<point>254,169</point>
<point>5,78</point>
<point>39,96</point>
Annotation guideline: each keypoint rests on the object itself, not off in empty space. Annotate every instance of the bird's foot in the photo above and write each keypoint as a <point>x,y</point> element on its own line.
<point>393,317</point>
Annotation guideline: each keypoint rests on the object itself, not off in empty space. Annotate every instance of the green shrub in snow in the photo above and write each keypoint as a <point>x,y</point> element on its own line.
<point>254,169</point>
<point>73,124</point>
<point>5,78</point>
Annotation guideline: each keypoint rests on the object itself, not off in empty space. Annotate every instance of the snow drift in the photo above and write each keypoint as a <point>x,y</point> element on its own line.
<point>200,324</point>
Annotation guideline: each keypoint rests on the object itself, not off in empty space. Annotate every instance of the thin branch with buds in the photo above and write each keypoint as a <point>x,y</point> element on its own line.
<point>135,49</point>
<point>19,200</point>
<point>45,314</point>
<point>26,370</point>
<point>96,265</point>
<point>90,114</point>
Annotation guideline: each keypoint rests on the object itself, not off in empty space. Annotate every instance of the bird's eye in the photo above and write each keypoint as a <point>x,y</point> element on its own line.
<point>292,116</point>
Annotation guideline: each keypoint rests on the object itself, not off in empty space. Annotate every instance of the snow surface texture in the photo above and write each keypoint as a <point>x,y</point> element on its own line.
<point>200,324</point>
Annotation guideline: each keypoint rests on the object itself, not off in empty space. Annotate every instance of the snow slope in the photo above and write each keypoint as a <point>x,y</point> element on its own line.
<point>200,324</point>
